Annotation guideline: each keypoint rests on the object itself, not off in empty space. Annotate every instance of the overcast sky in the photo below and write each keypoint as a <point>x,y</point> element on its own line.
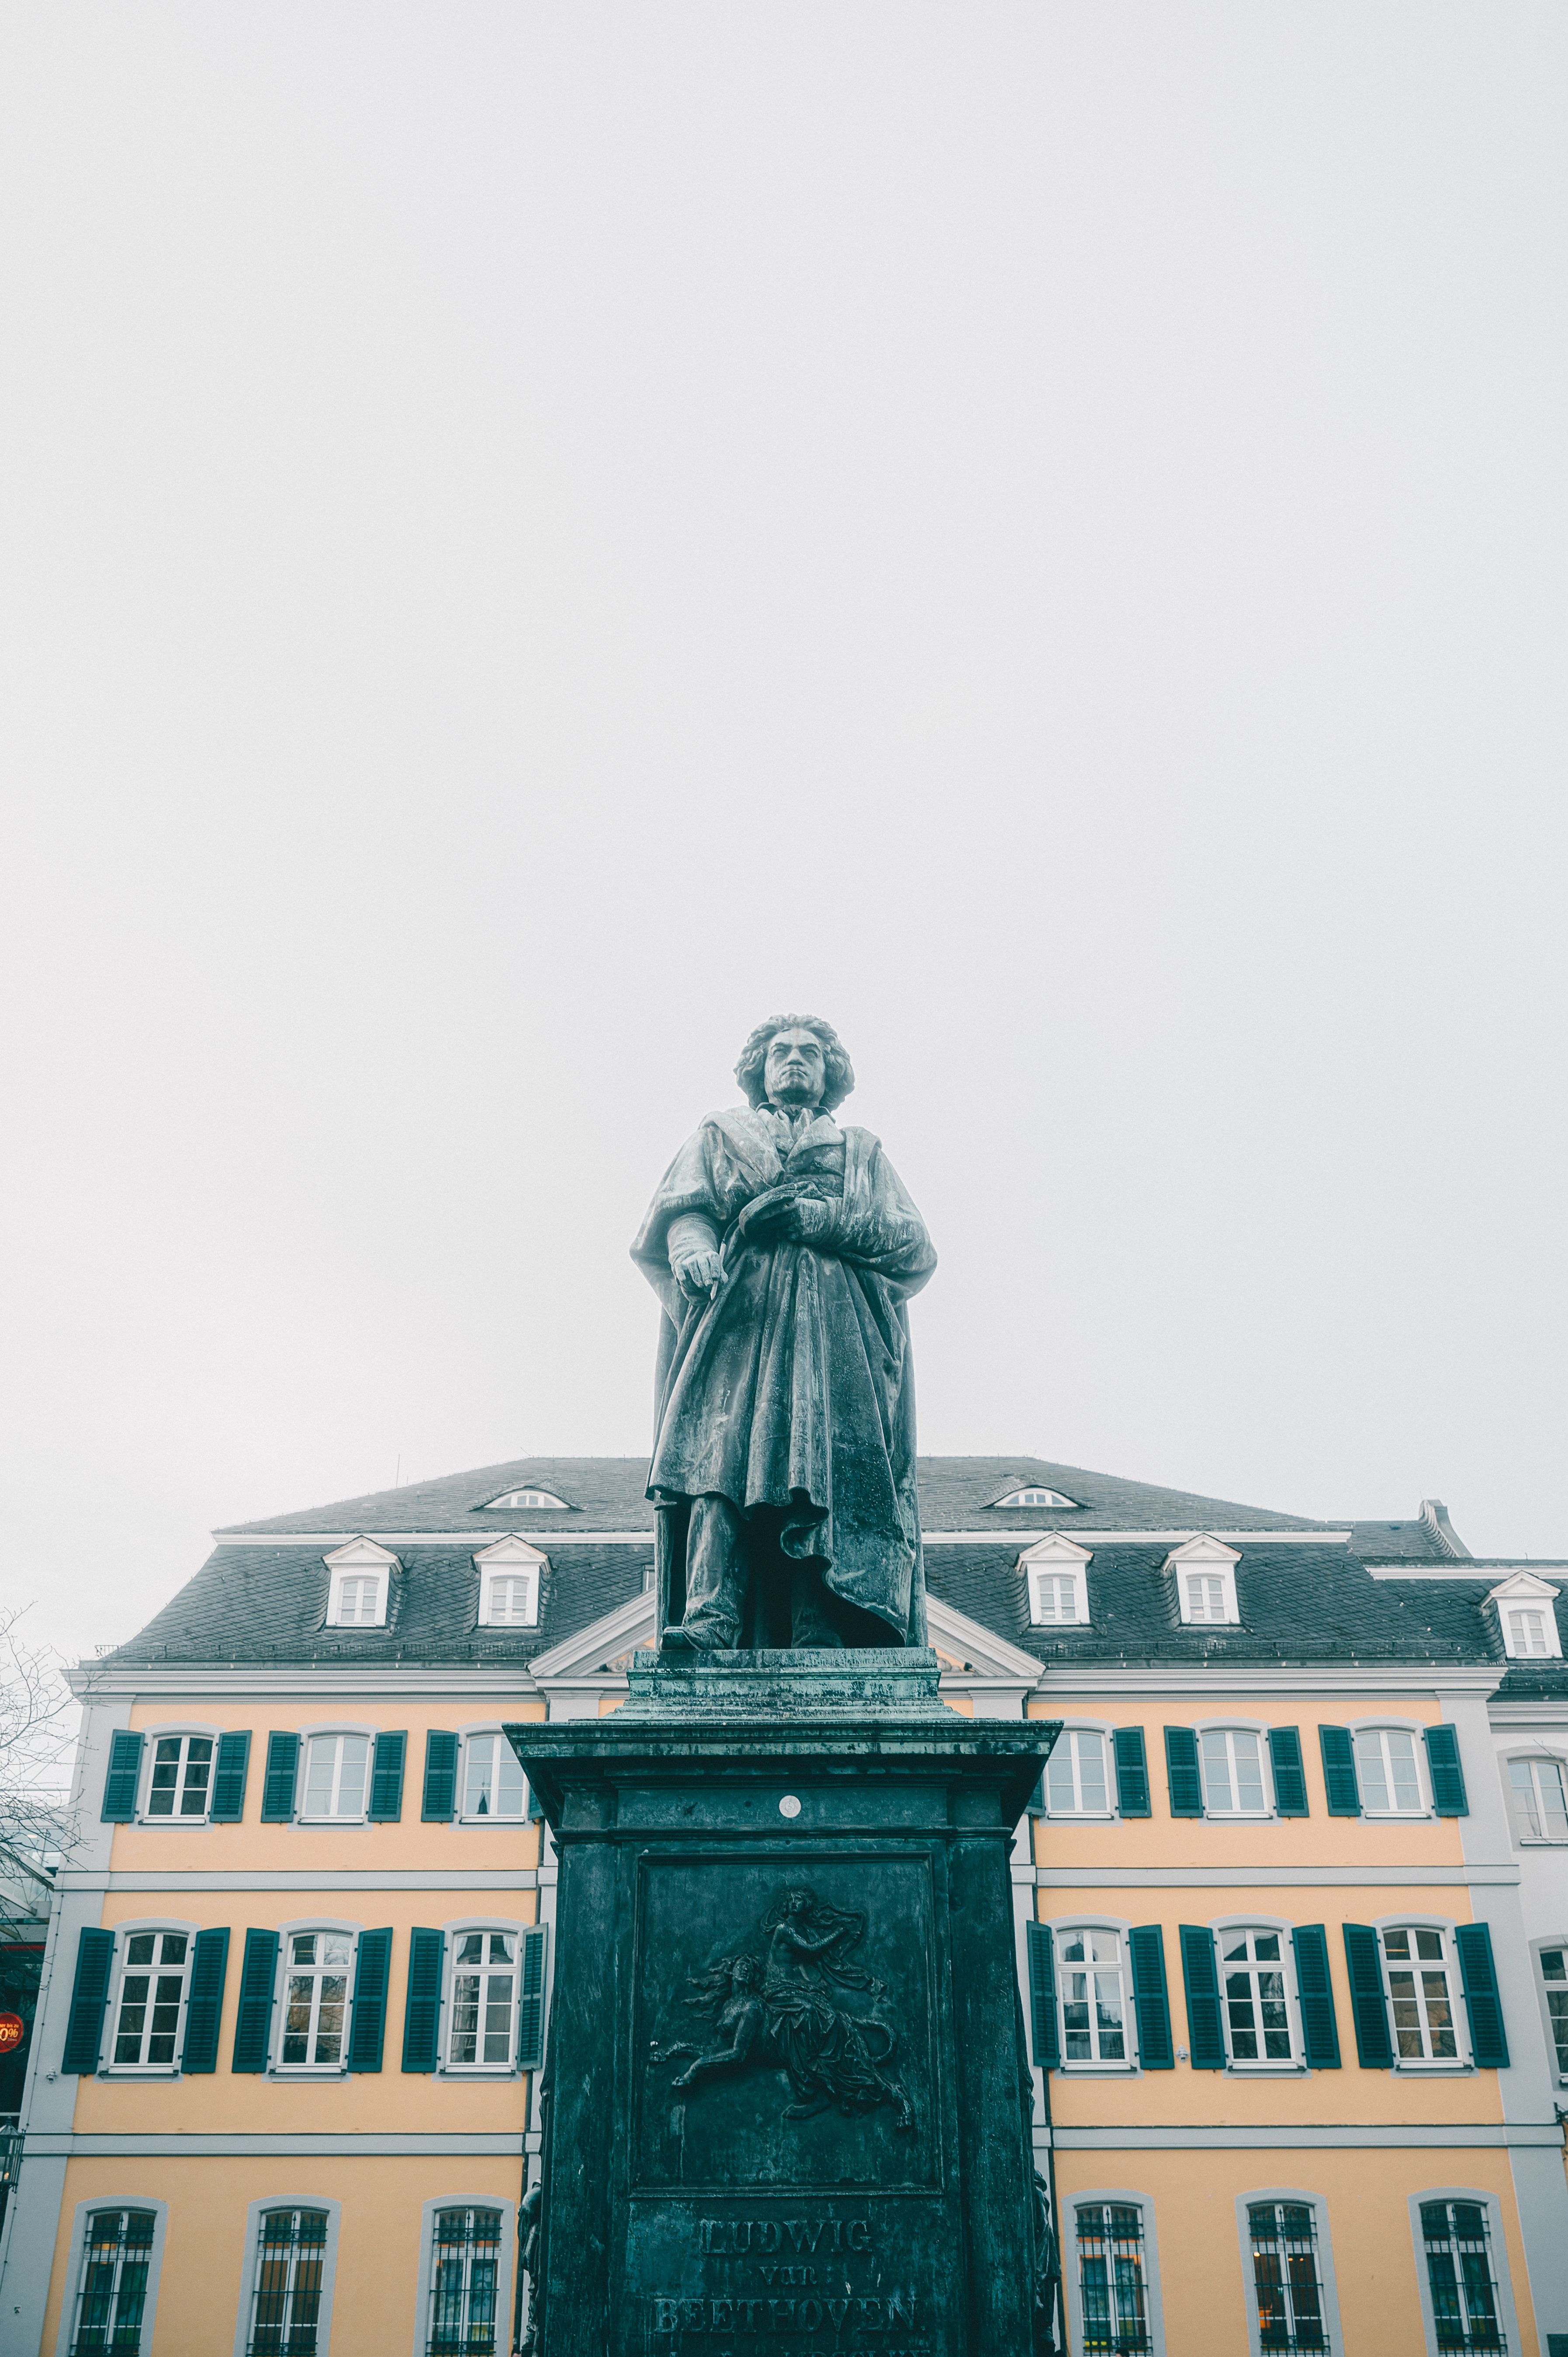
<point>534,537</point>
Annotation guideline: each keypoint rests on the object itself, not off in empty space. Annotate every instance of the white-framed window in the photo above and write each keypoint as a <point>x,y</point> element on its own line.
<point>1204,1574</point>
<point>1234,1765</point>
<point>179,1777</point>
<point>1538,1789</point>
<point>1551,1962</point>
<point>1253,1961</point>
<point>1111,2278</point>
<point>1291,2303</point>
<point>287,2281</point>
<point>509,1575</point>
<point>1034,1497</point>
<point>1056,1575</point>
<point>1423,1992</point>
<point>1092,1992</point>
<point>1077,1777</point>
<point>116,2279</point>
<point>317,1987</point>
<point>528,1502</point>
<point>336,1777</point>
<point>464,2308</point>
<point>1526,1608</point>
<point>1388,1772</point>
<point>482,2007</point>
<point>1465,2297</point>
<point>149,1997</point>
<point>493,1782</point>
<point>361,1582</point>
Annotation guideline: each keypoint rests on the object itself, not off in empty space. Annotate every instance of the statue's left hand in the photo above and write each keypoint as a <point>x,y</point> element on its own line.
<point>789,1218</point>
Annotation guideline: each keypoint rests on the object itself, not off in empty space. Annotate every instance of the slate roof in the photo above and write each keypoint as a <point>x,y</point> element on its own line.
<point>260,1600</point>
<point>607,1493</point>
<point>1457,1608</point>
<point>1307,1603</point>
<point>269,1604</point>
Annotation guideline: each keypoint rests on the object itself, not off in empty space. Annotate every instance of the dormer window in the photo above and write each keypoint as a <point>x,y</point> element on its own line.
<point>1035,1498</point>
<point>361,1578</point>
<point>1525,1607</point>
<point>1056,1571</point>
<point>509,1574</point>
<point>529,1501</point>
<point>1205,1574</point>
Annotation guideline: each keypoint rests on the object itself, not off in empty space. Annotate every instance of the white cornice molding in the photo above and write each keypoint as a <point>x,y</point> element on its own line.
<point>992,1660</point>
<point>997,1537</point>
<point>1478,1567</point>
<point>577,1661</point>
<point>267,1681</point>
<point>445,1540</point>
<point>1063,1679</point>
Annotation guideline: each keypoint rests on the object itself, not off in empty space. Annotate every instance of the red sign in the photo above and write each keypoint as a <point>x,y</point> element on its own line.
<point>13,2029</point>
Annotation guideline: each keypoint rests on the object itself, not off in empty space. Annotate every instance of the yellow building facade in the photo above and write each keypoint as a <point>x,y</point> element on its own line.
<point>1287,1914</point>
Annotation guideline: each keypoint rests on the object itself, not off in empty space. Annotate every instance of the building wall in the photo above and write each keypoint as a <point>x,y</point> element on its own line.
<point>383,2147</point>
<point>1193,2145</point>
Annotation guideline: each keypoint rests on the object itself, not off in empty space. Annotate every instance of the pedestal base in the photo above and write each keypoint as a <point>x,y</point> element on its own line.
<point>788,2084</point>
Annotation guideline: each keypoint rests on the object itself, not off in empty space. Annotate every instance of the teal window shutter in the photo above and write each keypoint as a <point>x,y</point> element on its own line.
<point>422,2012</point>
<point>283,1775</point>
<point>440,1777</point>
<point>1482,2001</point>
<point>1448,1796</point>
<point>1181,1772</point>
<point>1201,1976</point>
<point>204,2011</point>
<point>386,1778</point>
<point>1043,1997</point>
<point>1290,1774</point>
<point>1339,1772</point>
<point>1369,2006</point>
<point>1131,1771</point>
<point>228,1778</point>
<point>258,1983</point>
<point>372,1970</point>
<point>88,2000</point>
<point>1151,1998</point>
<point>530,2011</point>
<point>1320,2030</point>
<point>125,1775</point>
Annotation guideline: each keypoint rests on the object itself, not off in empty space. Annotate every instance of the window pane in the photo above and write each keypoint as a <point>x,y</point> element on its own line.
<point>1217,1787</point>
<point>352,1781</point>
<point>319,1779</point>
<point>1553,1800</point>
<point>1402,1777</point>
<point>1090,1751</point>
<point>1527,1812</point>
<point>1371,1769</point>
<point>1249,1772</point>
<point>1111,2280</point>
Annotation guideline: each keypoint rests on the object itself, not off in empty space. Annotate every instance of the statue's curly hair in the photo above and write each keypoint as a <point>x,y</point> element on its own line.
<point>839,1073</point>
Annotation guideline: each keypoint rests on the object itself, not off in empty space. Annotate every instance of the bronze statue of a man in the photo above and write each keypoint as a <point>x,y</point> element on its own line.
<point>783,1249</point>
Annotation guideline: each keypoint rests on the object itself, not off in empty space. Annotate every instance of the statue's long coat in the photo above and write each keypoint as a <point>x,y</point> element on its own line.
<point>794,1388</point>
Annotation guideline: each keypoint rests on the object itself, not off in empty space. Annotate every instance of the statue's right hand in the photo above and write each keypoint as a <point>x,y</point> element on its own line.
<point>698,1272</point>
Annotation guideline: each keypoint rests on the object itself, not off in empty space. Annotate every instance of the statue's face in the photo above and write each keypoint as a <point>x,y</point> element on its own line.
<point>798,1902</point>
<point>795,1069</point>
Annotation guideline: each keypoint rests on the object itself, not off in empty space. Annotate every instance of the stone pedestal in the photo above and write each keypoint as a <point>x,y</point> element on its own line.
<point>787,2087</point>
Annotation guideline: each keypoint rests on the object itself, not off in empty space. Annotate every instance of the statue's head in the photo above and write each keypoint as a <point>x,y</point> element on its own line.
<point>746,1972</point>
<point>795,1061</point>
<point>799,1902</point>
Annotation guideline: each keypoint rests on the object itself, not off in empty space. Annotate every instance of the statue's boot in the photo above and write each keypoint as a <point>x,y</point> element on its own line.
<point>716,1576</point>
<point>808,1622</point>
